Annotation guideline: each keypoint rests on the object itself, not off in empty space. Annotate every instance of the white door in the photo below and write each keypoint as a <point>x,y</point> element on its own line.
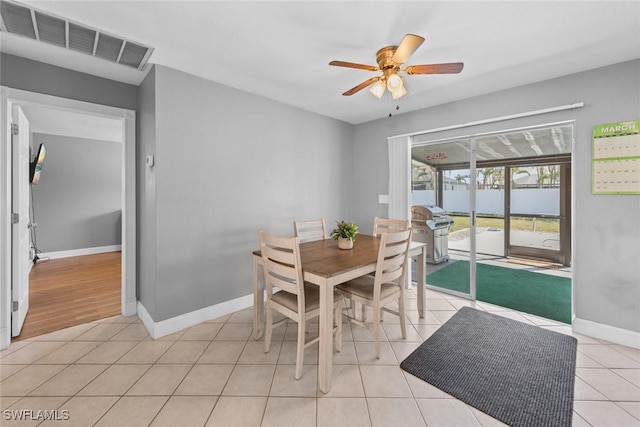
<point>20,248</point>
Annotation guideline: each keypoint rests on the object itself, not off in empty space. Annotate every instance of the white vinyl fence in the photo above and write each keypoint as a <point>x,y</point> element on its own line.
<point>532,201</point>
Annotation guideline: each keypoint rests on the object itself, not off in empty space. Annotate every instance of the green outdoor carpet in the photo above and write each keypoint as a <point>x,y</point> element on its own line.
<point>534,293</point>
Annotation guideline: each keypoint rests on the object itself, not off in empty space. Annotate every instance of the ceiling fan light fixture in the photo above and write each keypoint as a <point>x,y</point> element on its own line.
<point>391,60</point>
<point>399,93</point>
<point>378,89</point>
<point>394,83</point>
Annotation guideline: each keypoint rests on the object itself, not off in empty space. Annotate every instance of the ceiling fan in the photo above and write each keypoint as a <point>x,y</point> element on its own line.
<point>390,60</point>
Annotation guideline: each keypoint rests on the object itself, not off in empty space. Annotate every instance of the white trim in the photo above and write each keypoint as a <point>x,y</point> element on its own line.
<point>5,220</point>
<point>9,96</point>
<point>80,252</point>
<point>495,119</point>
<point>129,306</point>
<point>146,318</point>
<point>605,332</point>
<point>129,214</point>
<point>574,264</point>
<point>5,336</point>
<point>178,323</point>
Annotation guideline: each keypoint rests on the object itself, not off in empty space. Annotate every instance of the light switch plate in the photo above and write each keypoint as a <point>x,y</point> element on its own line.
<point>383,199</point>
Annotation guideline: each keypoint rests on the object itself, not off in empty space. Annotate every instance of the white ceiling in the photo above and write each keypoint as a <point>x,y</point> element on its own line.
<point>281,50</point>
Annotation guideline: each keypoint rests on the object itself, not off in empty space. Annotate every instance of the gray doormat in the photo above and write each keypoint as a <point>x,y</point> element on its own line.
<point>520,374</point>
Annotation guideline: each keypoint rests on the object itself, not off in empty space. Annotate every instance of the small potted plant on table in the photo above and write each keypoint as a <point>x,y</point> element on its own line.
<point>345,234</point>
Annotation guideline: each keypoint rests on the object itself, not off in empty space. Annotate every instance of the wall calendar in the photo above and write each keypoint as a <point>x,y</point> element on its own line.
<point>616,158</point>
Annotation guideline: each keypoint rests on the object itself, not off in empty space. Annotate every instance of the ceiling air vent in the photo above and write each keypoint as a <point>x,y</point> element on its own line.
<point>108,47</point>
<point>133,54</point>
<point>81,39</point>
<point>28,22</point>
<point>50,29</point>
<point>17,19</point>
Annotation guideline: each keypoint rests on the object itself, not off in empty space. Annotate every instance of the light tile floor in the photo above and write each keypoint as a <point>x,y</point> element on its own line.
<point>111,373</point>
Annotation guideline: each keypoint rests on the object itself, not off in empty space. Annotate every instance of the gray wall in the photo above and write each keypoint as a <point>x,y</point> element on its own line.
<point>78,201</point>
<point>229,164</point>
<point>146,194</point>
<point>606,229</point>
<point>25,74</point>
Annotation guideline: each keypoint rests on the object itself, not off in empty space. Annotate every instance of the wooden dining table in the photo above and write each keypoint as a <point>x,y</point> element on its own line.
<point>325,265</point>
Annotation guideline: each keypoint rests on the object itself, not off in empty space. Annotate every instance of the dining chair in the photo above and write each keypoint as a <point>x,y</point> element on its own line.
<point>380,226</point>
<point>383,225</point>
<point>297,300</point>
<point>308,231</point>
<point>386,286</point>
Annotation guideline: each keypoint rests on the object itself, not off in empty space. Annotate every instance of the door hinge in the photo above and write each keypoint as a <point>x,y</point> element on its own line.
<point>15,218</point>
<point>15,128</point>
<point>14,306</point>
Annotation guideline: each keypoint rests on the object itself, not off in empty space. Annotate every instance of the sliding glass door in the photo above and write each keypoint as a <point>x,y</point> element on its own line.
<point>502,190</point>
<point>446,191</point>
<point>538,212</point>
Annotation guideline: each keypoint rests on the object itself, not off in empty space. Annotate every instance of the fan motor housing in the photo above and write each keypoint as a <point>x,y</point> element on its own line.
<point>383,58</point>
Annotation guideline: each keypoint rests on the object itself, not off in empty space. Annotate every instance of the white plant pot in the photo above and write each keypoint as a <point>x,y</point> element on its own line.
<point>345,243</point>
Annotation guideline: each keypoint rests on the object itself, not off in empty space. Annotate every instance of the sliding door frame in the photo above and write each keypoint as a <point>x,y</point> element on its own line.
<point>472,224</point>
<point>565,198</point>
<point>563,255</point>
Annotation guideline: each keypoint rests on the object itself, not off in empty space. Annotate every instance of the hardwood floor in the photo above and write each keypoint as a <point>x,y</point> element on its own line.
<point>70,291</point>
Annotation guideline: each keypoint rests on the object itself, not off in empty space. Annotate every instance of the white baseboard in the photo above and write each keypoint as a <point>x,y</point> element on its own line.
<point>129,307</point>
<point>80,252</point>
<point>175,324</point>
<point>606,332</point>
<point>5,338</point>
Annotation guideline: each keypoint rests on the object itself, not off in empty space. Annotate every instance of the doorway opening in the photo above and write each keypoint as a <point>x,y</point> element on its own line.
<point>126,118</point>
<point>75,224</point>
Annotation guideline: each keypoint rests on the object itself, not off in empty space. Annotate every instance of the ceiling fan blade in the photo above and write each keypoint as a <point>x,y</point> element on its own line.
<point>448,68</point>
<point>407,46</point>
<point>353,65</point>
<point>361,86</point>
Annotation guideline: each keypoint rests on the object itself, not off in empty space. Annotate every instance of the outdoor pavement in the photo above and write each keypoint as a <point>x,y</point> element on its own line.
<point>491,240</point>
<point>490,245</point>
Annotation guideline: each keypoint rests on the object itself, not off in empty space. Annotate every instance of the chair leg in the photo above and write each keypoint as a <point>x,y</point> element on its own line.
<point>403,326</point>
<point>352,307</point>
<point>268,329</point>
<point>348,307</point>
<point>376,328</point>
<point>364,312</point>
<point>300,348</point>
<point>338,321</point>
